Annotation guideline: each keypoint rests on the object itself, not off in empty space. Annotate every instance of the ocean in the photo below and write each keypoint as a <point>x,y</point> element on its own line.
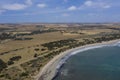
<point>102,63</point>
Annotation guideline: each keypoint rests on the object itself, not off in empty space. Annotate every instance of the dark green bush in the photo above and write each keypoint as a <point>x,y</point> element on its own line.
<point>24,74</point>
<point>10,62</point>
<point>2,65</point>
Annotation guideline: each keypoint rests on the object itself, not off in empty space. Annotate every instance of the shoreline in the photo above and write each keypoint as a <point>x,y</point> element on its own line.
<point>49,71</point>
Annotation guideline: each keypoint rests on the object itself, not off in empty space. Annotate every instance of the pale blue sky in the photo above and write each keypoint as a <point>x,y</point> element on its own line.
<point>12,11</point>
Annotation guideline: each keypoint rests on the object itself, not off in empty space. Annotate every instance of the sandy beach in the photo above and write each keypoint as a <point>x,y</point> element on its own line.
<point>49,70</point>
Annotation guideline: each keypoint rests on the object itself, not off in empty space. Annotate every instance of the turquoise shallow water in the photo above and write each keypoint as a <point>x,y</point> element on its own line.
<point>96,64</point>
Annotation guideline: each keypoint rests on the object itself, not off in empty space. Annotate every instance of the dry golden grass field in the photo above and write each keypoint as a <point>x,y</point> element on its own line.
<point>26,48</point>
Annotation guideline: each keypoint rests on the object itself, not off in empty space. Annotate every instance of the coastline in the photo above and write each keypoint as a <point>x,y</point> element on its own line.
<point>50,69</point>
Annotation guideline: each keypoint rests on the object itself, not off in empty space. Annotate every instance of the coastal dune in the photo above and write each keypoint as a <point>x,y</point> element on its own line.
<point>49,71</point>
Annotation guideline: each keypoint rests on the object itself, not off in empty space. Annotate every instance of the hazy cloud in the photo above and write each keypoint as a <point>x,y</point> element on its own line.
<point>72,8</point>
<point>15,6</point>
<point>88,3</point>
<point>95,4</point>
<point>42,5</point>
<point>28,2</point>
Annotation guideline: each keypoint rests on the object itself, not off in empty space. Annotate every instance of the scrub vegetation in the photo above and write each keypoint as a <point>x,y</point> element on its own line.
<point>26,48</point>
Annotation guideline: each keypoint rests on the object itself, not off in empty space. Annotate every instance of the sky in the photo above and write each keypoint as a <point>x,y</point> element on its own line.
<point>52,11</point>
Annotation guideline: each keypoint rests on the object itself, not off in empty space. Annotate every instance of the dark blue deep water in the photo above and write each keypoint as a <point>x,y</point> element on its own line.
<point>96,64</point>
